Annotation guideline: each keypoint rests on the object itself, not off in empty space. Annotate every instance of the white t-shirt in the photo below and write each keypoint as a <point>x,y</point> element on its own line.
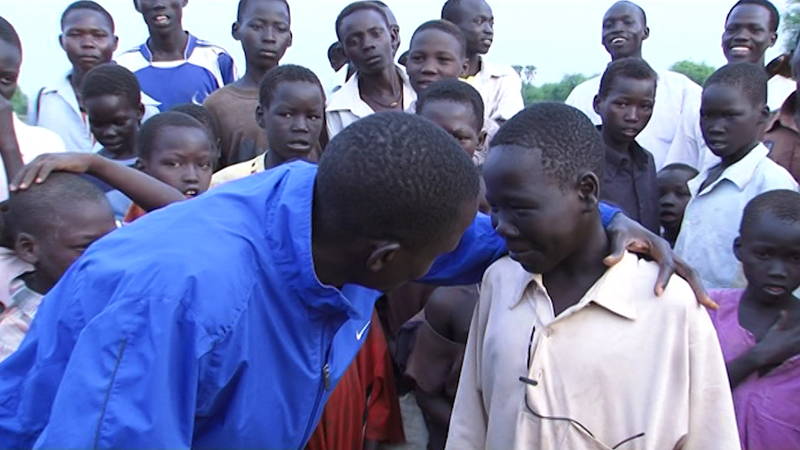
<point>32,141</point>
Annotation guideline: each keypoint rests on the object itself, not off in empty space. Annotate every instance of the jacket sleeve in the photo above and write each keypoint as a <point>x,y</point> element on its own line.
<point>131,381</point>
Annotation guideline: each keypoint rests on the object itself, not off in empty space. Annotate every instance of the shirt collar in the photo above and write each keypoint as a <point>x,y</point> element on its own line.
<point>191,43</point>
<point>739,173</point>
<point>636,153</point>
<point>348,97</point>
<point>785,116</point>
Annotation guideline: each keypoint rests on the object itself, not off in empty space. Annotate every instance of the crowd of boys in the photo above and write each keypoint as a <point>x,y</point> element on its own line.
<point>412,260</point>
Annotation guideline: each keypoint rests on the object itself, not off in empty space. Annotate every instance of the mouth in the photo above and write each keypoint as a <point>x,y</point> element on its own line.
<point>618,41</point>
<point>299,146</point>
<point>191,192</point>
<point>426,82</point>
<point>630,132</point>
<point>716,145</point>
<point>740,50</point>
<point>269,54</point>
<point>775,290</point>
<point>377,59</point>
<point>161,19</point>
<point>668,216</point>
<point>88,58</point>
<point>109,144</point>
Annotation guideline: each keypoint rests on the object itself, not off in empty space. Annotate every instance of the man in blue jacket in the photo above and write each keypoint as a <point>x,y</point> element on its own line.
<point>226,321</point>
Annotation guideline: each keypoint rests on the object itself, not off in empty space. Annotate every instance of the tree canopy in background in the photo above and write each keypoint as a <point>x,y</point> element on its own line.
<point>20,104</point>
<point>551,92</point>
<point>697,72</point>
<point>790,23</point>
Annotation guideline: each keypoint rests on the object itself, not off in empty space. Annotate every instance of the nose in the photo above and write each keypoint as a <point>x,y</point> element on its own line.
<point>300,123</point>
<point>488,28</point>
<point>268,35</point>
<point>190,174</point>
<point>667,201</point>
<point>776,269</point>
<point>631,114</point>
<point>429,67</point>
<point>503,226</point>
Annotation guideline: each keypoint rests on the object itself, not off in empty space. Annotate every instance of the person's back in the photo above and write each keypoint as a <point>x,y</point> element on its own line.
<point>557,336</point>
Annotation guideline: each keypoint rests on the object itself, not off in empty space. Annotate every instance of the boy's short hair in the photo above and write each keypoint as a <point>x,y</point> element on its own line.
<point>781,204</point>
<point>112,79</point>
<point>451,11</point>
<point>360,6</point>
<point>31,210</point>
<point>446,27</point>
<point>397,176</point>
<point>87,5</point>
<point>152,126</point>
<point>635,68</point>
<point>747,77</point>
<point>774,15</point>
<point>200,113</point>
<point>455,91</point>
<point>244,3</point>
<point>682,167</point>
<point>641,10</point>
<point>282,74</point>
<point>9,34</point>
<point>569,143</point>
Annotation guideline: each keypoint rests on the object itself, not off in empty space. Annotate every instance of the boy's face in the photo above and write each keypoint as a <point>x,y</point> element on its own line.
<point>730,122</point>
<point>161,15</point>
<point>434,55</point>
<point>674,195</point>
<point>747,34</point>
<point>770,254</point>
<point>457,119</point>
<point>10,61</point>
<point>88,39</point>
<point>476,21</point>
<point>623,30</point>
<point>367,41</point>
<point>294,119</point>
<point>538,218</point>
<point>627,107</point>
<point>183,158</point>
<point>114,122</point>
<point>60,245</point>
<point>264,32</point>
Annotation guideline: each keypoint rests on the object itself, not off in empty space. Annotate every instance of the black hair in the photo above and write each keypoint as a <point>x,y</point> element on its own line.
<point>397,176</point>
<point>781,204</point>
<point>774,15</point>
<point>9,34</point>
<point>455,91</point>
<point>451,11</point>
<point>282,74</point>
<point>635,68</point>
<point>112,79</point>
<point>89,6</point>
<point>31,210</point>
<point>153,126</point>
<point>693,172</point>
<point>445,27</point>
<point>569,143</point>
<point>641,10</point>
<point>360,6</point>
<point>749,78</point>
<point>243,4</point>
<point>201,114</point>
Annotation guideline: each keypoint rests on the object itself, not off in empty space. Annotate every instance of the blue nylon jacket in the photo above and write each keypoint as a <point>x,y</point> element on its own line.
<point>201,325</point>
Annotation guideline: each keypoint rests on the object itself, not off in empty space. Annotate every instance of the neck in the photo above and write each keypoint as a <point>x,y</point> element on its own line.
<point>617,145</point>
<point>636,54</point>
<point>122,155</point>
<point>252,76</point>
<point>173,41</point>
<point>736,157</point>
<point>76,78</point>
<point>671,233</point>
<point>328,251</point>
<point>34,282</point>
<point>273,160</point>
<point>384,81</point>
<point>756,299</point>
<point>473,64</point>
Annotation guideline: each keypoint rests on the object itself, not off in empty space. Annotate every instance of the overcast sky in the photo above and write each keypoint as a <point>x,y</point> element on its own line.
<point>557,36</point>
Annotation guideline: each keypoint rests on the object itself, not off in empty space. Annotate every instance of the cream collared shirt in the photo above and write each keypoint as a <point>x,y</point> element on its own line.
<point>345,106</point>
<point>501,90</point>
<point>32,142</point>
<point>621,362</point>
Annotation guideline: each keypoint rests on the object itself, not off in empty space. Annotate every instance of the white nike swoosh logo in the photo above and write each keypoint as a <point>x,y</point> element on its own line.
<point>360,334</point>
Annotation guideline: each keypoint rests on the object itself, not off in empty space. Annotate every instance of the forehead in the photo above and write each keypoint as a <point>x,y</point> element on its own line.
<point>765,227</point>
<point>111,104</point>
<point>258,9</point>
<point>389,15</point>
<point>362,20</point>
<point>10,56</point>
<point>722,95</point>
<point>674,177</point>
<point>625,85</point>
<point>749,13</point>
<point>86,18</point>
<point>450,113</point>
<point>473,8</point>
<point>297,93</point>
<point>87,219</point>
<point>435,40</point>
<point>622,10</point>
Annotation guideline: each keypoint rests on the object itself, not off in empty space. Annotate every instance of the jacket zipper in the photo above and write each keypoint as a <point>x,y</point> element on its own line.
<point>324,386</point>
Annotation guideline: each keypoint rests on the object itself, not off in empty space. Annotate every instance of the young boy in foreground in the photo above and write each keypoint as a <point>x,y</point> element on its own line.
<point>564,352</point>
<point>759,326</point>
<point>732,116</point>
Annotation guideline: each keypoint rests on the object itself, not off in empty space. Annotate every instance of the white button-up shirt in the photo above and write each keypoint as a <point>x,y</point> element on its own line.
<point>501,90</point>
<point>713,215</point>
<point>620,362</point>
<point>345,106</point>
<point>677,99</point>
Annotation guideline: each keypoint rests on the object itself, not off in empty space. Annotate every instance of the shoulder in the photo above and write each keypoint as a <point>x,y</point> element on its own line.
<point>34,141</point>
<point>587,88</point>
<point>639,277</point>
<point>499,70</point>
<point>772,175</point>
<point>210,47</point>
<point>132,59</point>
<point>237,171</point>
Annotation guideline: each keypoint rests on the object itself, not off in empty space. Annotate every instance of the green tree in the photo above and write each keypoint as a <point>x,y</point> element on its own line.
<point>697,72</point>
<point>526,73</point>
<point>20,103</point>
<point>791,24</point>
<point>553,92</point>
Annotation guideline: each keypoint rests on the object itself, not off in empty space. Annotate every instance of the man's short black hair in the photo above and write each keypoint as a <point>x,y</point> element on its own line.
<point>395,176</point>
<point>89,6</point>
<point>641,10</point>
<point>360,6</point>
<point>680,167</point>
<point>569,143</point>
<point>454,91</point>
<point>112,79</point>
<point>9,34</point>
<point>153,126</point>
<point>445,27</point>
<point>781,204</point>
<point>451,11</point>
<point>635,68</point>
<point>774,15</point>
<point>32,210</point>
<point>747,77</point>
<point>243,4</point>
<point>282,74</point>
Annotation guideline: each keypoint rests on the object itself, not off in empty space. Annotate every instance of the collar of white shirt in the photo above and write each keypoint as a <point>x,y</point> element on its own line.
<point>611,291</point>
<point>348,97</point>
<point>739,173</point>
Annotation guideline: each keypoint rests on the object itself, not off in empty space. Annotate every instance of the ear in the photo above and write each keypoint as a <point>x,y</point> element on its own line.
<point>646,33</point>
<point>260,116</point>
<point>763,115</point>
<point>395,36</point>
<point>383,253</point>
<point>136,6</point>
<point>589,189</point>
<point>26,248</point>
<point>773,38</point>
<point>291,36</point>
<point>140,112</point>
<point>61,42</point>
<point>482,139</point>
<point>737,248</point>
<point>116,43</point>
<point>235,31</point>
<point>464,68</point>
<point>596,104</point>
<point>185,3</point>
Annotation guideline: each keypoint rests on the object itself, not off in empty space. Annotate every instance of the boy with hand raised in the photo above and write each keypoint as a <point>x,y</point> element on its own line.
<point>263,27</point>
<point>759,326</point>
<point>732,117</point>
<point>553,320</point>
